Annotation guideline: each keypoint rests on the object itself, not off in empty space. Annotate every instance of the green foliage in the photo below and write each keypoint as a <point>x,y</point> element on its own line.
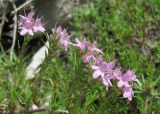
<point>127,31</point>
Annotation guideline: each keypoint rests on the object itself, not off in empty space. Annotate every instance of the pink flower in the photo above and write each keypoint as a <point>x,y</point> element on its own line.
<point>28,17</point>
<point>124,84</point>
<point>38,27</point>
<point>58,30</point>
<point>108,69</point>
<point>125,78</point>
<point>102,68</point>
<point>88,56</point>
<point>97,72</point>
<point>83,44</point>
<point>30,26</point>
<point>26,28</point>
<point>94,48</point>
<point>26,24</point>
<point>105,70</point>
<point>128,92</point>
<point>64,37</point>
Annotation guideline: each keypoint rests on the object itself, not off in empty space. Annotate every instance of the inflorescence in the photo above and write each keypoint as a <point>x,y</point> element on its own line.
<point>102,70</point>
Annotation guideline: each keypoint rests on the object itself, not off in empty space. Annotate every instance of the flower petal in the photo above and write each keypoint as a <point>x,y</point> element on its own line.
<point>96,74</point>
<point>94,67</point>
<point>30,32</point>
<point>120,84</point>
<point>23,32</point>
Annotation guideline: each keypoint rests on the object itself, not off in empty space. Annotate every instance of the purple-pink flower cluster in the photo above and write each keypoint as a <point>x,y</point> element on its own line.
<point>63,37</point>
<point>107,72</point>
<point>103,70</point>
<point>29,25</point>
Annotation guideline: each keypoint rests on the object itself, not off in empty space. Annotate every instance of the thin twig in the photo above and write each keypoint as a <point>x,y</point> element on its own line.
<point>3,19</point>
<point>14,31</point>
<point>2,22</point>
<point>22,6</point>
